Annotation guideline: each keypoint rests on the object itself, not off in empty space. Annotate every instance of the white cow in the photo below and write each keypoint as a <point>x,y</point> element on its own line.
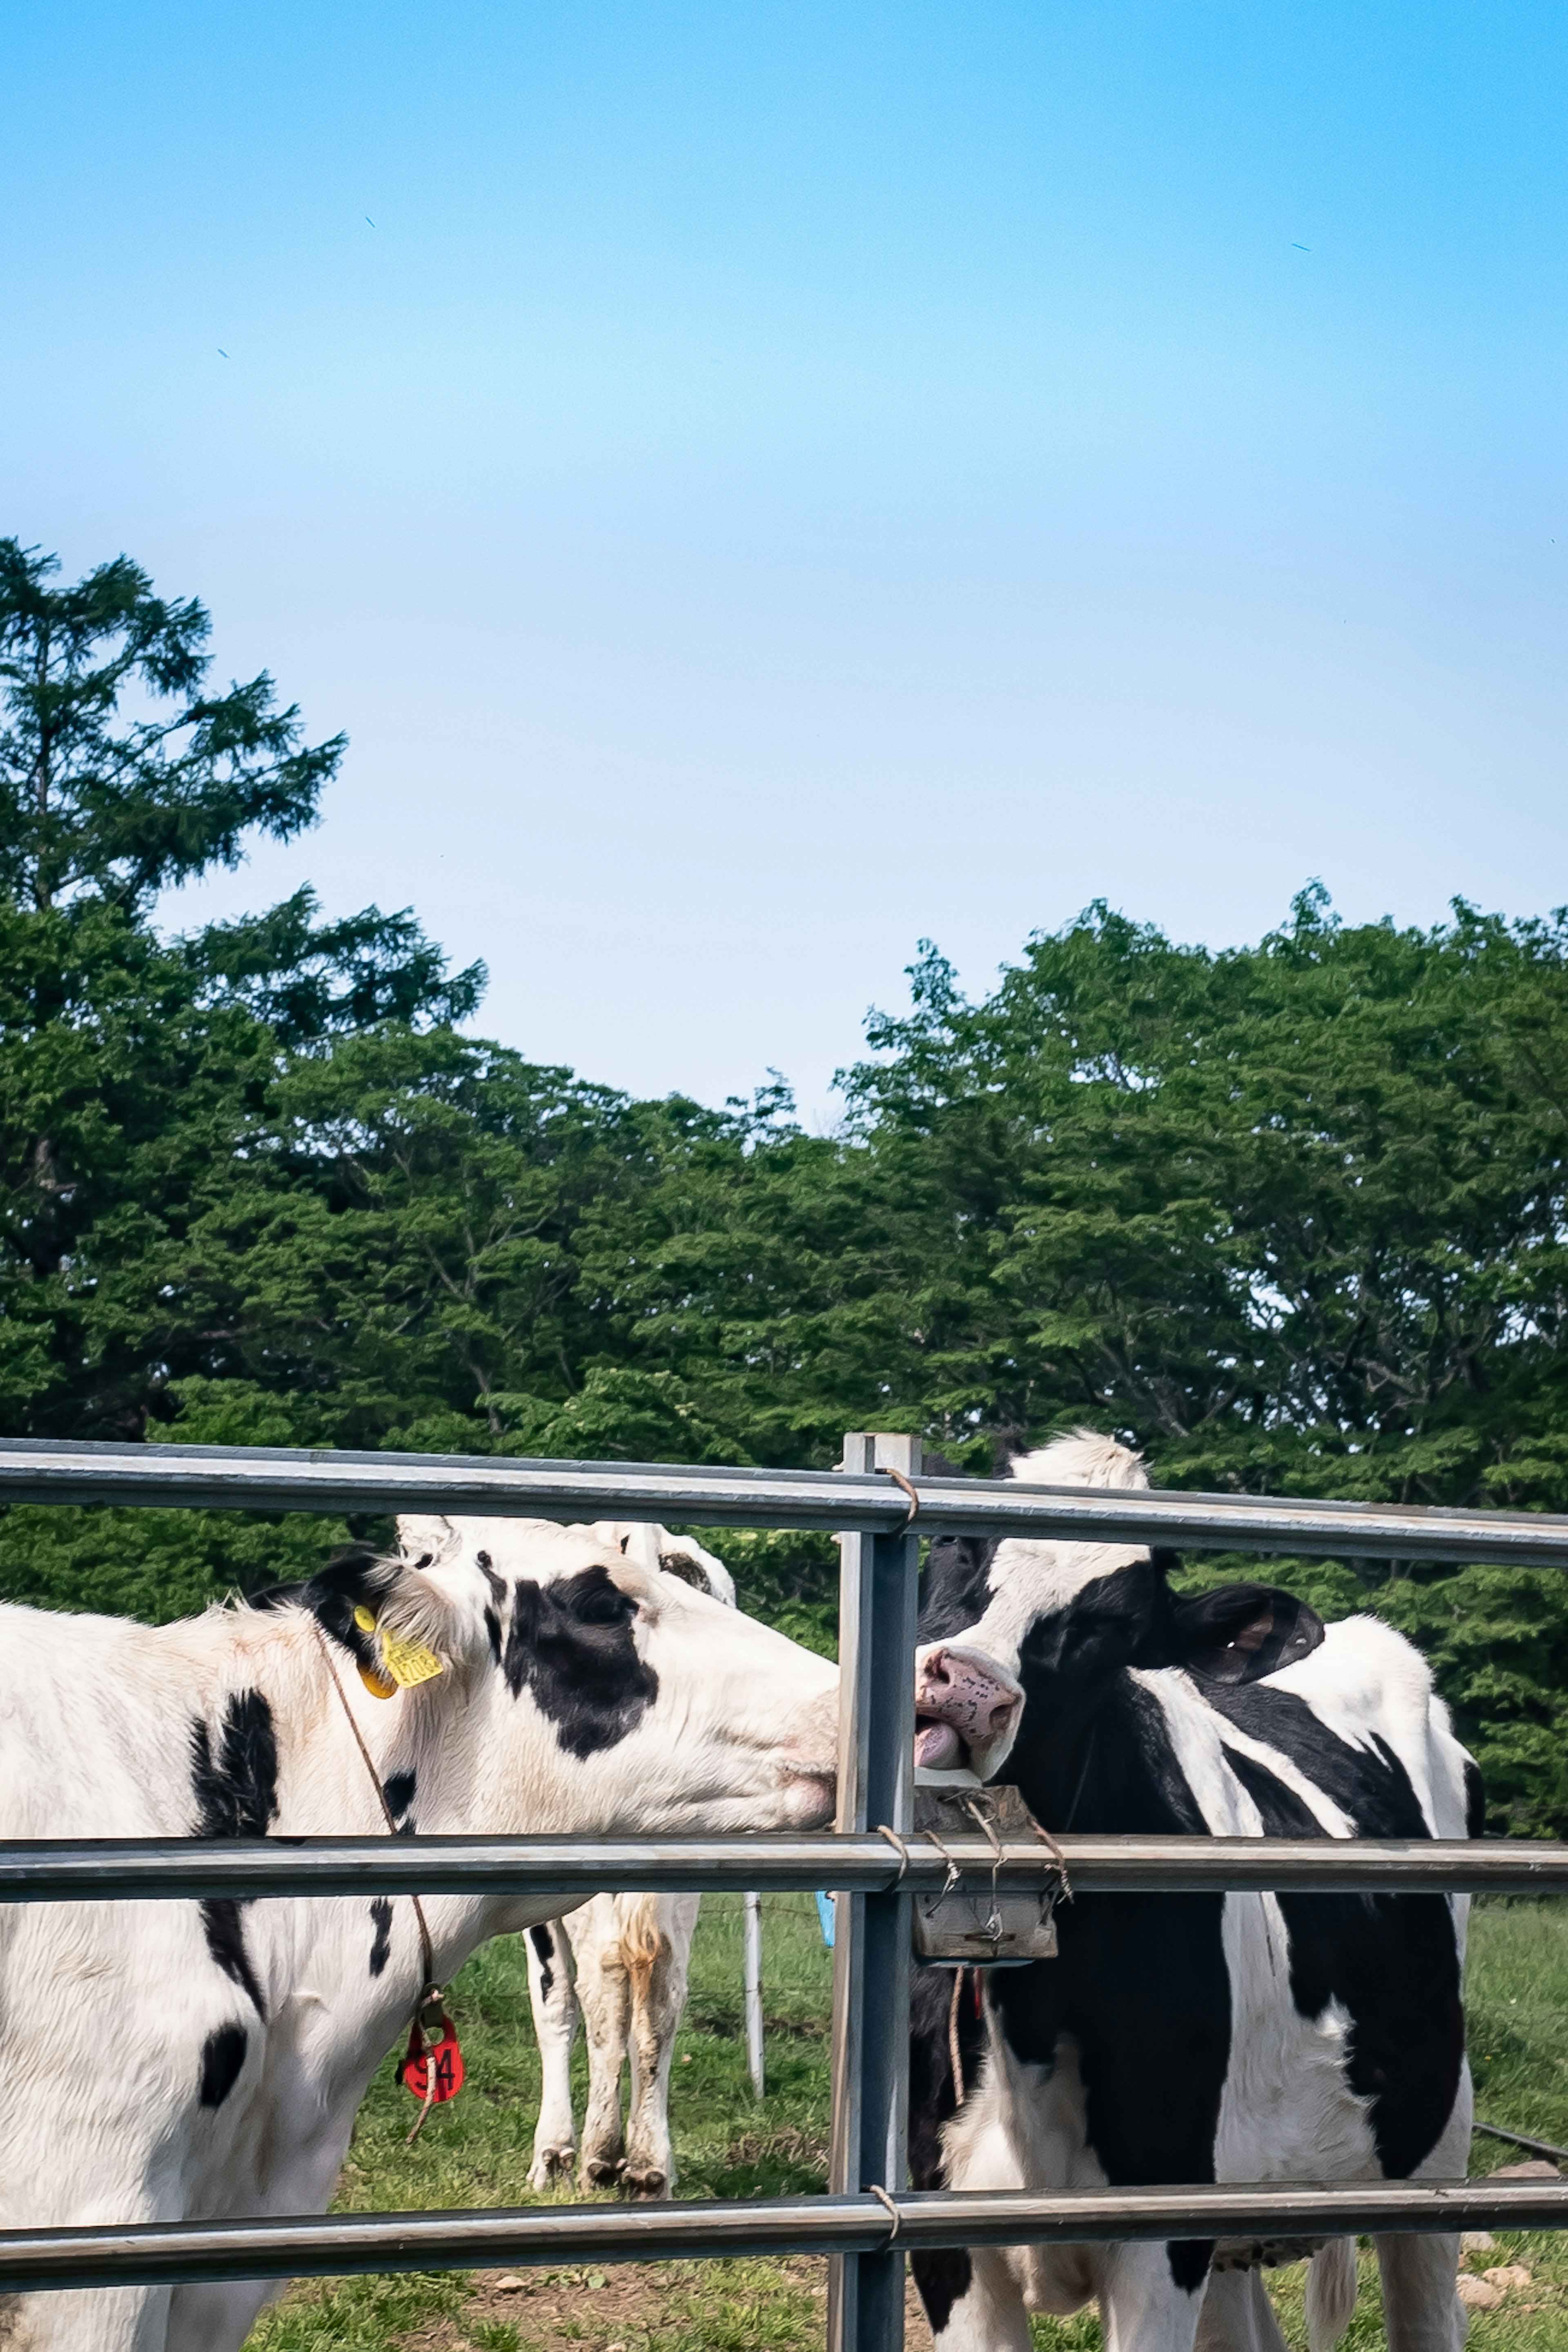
<point>620,1962</point>
<point>169,2060</point>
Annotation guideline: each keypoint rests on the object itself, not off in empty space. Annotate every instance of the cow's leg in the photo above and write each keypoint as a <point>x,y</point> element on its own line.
<point>1421,2311</point>
<point>604,1995</point>
<point>973,2300</point>
<point>1236,2315</point>
<point>1147,2302</point>
<point>216,2318</point>
<point>658,1986</point>
<point>554,2002</point>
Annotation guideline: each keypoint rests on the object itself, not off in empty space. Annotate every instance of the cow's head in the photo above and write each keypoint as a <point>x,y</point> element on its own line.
<point>581,1680</point>
<point>1043,1626</point>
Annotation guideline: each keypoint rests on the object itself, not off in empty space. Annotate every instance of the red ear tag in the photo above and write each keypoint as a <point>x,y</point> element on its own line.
<point>445,2055</point>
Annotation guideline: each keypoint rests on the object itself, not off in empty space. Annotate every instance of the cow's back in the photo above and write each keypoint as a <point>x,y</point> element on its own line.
<point>95,1728</point>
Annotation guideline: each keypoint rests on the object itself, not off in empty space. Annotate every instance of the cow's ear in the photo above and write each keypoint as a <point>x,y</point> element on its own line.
<point>1240,1632</point>
<point>398,1624</point>
<point>352,1586</point>
<point>424,1540</point>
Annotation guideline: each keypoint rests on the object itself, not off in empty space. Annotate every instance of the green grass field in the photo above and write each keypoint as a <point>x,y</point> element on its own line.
<point>476,2152</point>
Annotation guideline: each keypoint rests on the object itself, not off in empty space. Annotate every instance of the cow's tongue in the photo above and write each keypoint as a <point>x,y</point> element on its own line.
<point>938,1747</point>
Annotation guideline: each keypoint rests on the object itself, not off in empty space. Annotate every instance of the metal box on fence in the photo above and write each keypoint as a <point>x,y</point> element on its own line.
<point>991,1929</point>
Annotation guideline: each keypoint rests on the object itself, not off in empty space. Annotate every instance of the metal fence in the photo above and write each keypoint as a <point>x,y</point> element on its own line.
<point>867,2234</point>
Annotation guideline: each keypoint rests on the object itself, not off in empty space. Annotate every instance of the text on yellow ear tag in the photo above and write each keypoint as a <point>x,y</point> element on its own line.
<point>408,1661</point>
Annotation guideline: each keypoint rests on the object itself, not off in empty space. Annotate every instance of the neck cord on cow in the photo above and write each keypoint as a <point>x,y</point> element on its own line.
<point>430,2017</point>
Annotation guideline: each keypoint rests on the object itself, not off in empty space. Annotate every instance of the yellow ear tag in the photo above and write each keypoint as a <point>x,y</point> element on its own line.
<point>406,1662</point>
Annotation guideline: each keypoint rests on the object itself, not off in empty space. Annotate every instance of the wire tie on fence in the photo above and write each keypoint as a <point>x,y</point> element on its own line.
<point>994,1923</point>
<point>955,2045</point>
<point>882,2197</point>
<point>899,1479</point>
<point>954,1869</point>
<point>900,1849</point>
<point>1058,1857</point>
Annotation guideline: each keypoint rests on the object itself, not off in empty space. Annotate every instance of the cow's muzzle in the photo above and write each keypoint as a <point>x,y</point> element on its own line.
<point>966,1710</point>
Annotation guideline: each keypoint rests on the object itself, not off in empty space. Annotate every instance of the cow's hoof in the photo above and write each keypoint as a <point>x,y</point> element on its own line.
<point>647,2183</point>
<point>549,2165</point>
<point>600,2171</point>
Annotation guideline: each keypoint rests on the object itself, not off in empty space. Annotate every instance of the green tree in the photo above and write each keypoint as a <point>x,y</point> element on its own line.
<point>124,805</point>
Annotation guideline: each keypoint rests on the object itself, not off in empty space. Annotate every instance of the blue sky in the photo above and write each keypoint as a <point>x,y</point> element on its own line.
<point>774,482</point>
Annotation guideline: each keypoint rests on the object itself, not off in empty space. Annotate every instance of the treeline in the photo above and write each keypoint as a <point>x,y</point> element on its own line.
<point>1291,1216</point>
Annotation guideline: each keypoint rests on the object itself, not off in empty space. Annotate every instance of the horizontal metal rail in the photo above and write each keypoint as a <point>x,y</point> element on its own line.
<point>260,1478</point>
<point>343,2244</point>
<point>144,1870</point>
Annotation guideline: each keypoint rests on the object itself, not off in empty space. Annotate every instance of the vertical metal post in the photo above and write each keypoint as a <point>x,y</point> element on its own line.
<point>754,2058</point>
<point>877,1607</point>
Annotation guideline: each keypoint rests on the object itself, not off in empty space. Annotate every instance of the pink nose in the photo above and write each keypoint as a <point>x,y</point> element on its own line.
<point>977,1704</point>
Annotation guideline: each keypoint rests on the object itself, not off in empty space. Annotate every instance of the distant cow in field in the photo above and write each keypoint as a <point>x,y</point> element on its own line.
<point>166,2061</point>
<point>1199,2037</point>
<point>620,1961</point>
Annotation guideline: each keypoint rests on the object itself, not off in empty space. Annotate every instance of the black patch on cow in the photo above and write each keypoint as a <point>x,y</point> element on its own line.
<point>223,2056</point>
<point>236,1789</point>
<point>956,1585</point>
<point>381,1946</point>
<point>544,1945</point>
<point>686,1570</point>
<point>942,2278</point>
<point>398,1790</point>
<point>498,1589</point>
<point>571,1644</point>
<point>943,2275</point>
<point>1369,1783</point>
<point>1393,1961</point>
<point>1141,1983</point>
<point>1475,1800</point>
<point>492,1631</point>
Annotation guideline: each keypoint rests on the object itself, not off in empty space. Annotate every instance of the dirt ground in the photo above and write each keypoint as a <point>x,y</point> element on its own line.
<point>618,2309</point>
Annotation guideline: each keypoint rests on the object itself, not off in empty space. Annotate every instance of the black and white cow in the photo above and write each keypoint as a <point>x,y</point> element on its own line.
<point>1200,2037</point>
<point>183,2060</point>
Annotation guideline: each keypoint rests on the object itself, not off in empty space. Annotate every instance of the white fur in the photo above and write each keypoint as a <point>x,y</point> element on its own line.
<point>104,2008</point>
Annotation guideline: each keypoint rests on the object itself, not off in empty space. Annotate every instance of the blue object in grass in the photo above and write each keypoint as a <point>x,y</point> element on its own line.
<point>826,1914</point>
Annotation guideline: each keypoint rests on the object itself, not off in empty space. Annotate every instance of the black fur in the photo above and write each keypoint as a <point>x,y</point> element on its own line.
<point>398,1790</point>
<point>381,1946</point>
<point>571,1644</point>
<point>497,1585</point>
<point>1154,2048</point>
<point>1370,1784</point>
<point>1475,1800</point>
<point>223,2056</point>
<point>236,1789</point>
<point>945,2274</point>
<point>686,1570</point>
<point>493,1632</point>
<point>544,1945</point>
<point>354,1577</point>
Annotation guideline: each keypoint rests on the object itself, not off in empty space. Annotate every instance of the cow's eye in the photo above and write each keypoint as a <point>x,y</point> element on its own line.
<point>605,1605</point>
